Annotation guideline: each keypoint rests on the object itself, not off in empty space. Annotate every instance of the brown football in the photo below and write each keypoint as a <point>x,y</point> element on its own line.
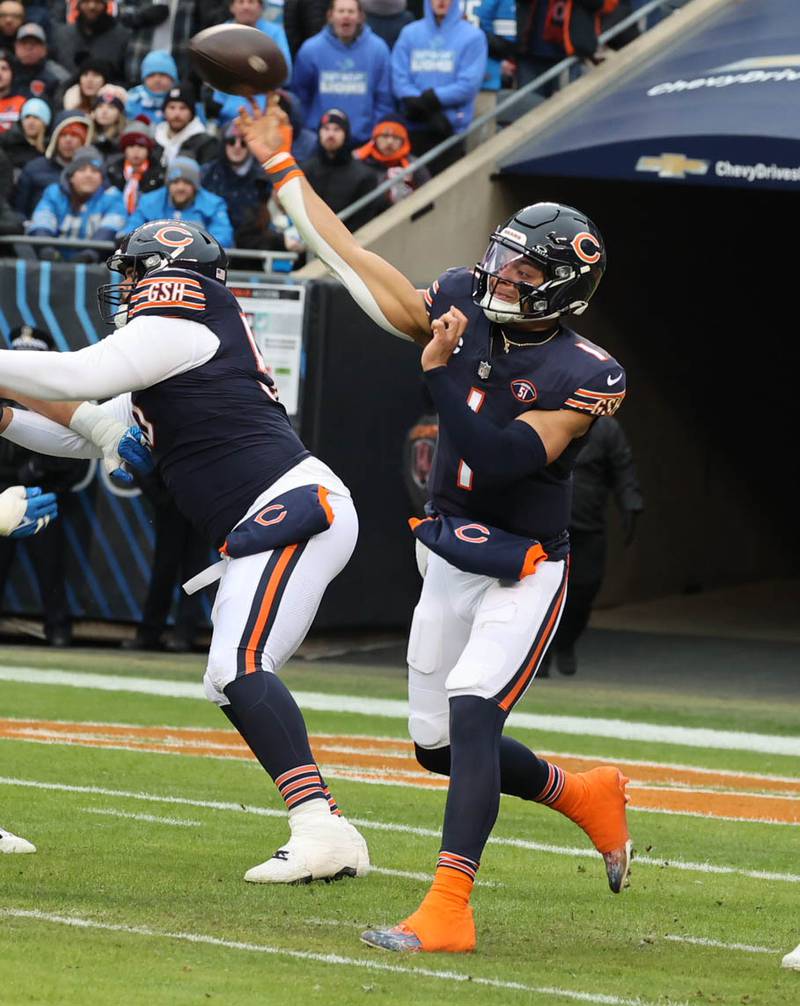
<point>237,59</point>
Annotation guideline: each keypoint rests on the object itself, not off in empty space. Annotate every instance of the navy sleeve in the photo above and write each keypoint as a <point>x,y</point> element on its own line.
<point>498,454</point>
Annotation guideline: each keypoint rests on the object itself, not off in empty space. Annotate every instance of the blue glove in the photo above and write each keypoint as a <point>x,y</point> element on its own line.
<point>41,509</point>
<point>134,451</point>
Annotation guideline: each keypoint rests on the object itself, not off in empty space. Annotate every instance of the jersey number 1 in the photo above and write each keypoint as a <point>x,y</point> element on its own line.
<point>465,477</point>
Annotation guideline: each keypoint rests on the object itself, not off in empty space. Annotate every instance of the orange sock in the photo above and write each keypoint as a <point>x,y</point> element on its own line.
<point>444,921</point>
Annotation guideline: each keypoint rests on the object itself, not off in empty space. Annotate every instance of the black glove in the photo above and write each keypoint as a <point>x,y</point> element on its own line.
<point>430,101</point>
<point>628,518</point>
<point>414,108</point>
<point>147,17</point>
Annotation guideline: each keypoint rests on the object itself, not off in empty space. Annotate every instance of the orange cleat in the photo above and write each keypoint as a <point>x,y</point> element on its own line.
<point>595,801</point>
<point>443,923</point>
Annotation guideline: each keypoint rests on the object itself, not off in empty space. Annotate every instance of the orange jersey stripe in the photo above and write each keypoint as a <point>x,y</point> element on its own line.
<point>167,303</point>
<point>600,394</point>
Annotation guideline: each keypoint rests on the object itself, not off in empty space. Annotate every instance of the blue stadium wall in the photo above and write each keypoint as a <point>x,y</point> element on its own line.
<point>356,425</point>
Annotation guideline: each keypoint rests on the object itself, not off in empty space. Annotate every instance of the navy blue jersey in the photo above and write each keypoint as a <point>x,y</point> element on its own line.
<point>219,435</point>
<point>566,372</point>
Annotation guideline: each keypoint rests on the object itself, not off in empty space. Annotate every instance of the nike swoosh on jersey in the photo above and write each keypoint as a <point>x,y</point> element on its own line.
<point>616,379</point>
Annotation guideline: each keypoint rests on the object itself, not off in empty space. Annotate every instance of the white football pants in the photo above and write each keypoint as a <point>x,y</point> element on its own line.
<point>266,603</point>
<point>474,635</point>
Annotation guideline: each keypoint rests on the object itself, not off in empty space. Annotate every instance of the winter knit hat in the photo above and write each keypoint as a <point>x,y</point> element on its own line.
<point>185,168</point>
<point>39,109</point>
<point>137,132</point>
<point>101,66</point>
<point>159,61</point>
<point>183,93</point>
<point>109,98</point>
<point>83,157</point>
<point>338,118</point>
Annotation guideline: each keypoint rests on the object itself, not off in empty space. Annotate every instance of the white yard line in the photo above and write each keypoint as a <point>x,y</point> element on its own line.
<point>321,702</point>
<point>405,829</point>
<point>181,822</point>
<point>329,959</point>
<point>699,941</point>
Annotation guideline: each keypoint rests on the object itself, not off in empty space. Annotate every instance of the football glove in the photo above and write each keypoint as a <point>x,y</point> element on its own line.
<point>109,434</point>
<point>133,450</point>
<point>38,509</point>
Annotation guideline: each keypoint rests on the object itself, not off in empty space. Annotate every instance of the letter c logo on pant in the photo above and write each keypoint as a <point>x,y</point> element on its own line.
<point>467,533</point>
<point>278,511</point>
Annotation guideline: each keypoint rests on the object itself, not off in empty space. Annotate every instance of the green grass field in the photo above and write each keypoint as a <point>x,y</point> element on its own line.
<point>136,892</point>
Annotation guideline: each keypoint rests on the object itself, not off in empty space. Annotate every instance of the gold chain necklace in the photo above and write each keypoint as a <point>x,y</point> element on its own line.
<point>508,343</point>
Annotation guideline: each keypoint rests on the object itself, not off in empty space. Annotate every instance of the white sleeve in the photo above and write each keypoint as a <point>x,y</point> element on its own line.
<point>36,433</point>
<point>291,199</point>
<point>144,352</point>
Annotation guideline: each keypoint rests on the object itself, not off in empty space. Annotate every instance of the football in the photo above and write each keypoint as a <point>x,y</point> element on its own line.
<point>237,59</point>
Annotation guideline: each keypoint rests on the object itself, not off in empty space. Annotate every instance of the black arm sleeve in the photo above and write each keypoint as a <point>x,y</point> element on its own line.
<point>497,454</point>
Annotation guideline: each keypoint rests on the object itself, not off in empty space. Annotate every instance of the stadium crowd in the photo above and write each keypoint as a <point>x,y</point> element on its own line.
<point>103,124</point>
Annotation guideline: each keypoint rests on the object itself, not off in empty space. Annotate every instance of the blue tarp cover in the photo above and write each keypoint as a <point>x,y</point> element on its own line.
<point>721,107</point>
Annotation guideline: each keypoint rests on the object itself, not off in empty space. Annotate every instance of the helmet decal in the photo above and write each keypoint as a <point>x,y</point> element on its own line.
<point>163,238</point>
<point>578,247</point>
<point>518,236</point>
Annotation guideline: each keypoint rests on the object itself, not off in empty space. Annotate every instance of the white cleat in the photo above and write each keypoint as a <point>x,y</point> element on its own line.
<point>320,848</point>
<point>792,960</point>
<point>13,843</point>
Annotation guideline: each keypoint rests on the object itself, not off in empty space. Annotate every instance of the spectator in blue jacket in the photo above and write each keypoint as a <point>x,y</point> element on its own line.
<point>159,76</point>
<point>182,198</point>
<point>438,66</point>
<point>79,206</point>
<point>348,66</point>
<point>71,131</point>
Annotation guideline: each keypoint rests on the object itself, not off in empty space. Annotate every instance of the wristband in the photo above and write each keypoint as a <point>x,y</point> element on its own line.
<point>280,169</point>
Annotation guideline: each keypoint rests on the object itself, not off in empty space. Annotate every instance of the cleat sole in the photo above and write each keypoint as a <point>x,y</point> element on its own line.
<point>394,940</point>
<point>618,867</point>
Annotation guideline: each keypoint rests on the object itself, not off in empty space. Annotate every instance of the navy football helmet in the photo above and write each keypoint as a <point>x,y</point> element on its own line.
<point>549,238</point>
<point>159,245</point>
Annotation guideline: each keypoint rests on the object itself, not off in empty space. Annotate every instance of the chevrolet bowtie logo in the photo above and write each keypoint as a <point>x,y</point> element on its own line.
<point>672,165</point>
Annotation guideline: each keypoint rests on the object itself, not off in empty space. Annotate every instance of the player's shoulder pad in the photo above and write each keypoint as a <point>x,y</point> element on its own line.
<point>450,286</point>
<point>600,382</point>
<point>178,293</point>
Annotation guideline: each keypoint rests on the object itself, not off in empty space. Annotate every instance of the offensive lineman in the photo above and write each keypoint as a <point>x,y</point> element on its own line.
<point>23,512</point>
<point>515,392</point>
<point>184,366</point>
